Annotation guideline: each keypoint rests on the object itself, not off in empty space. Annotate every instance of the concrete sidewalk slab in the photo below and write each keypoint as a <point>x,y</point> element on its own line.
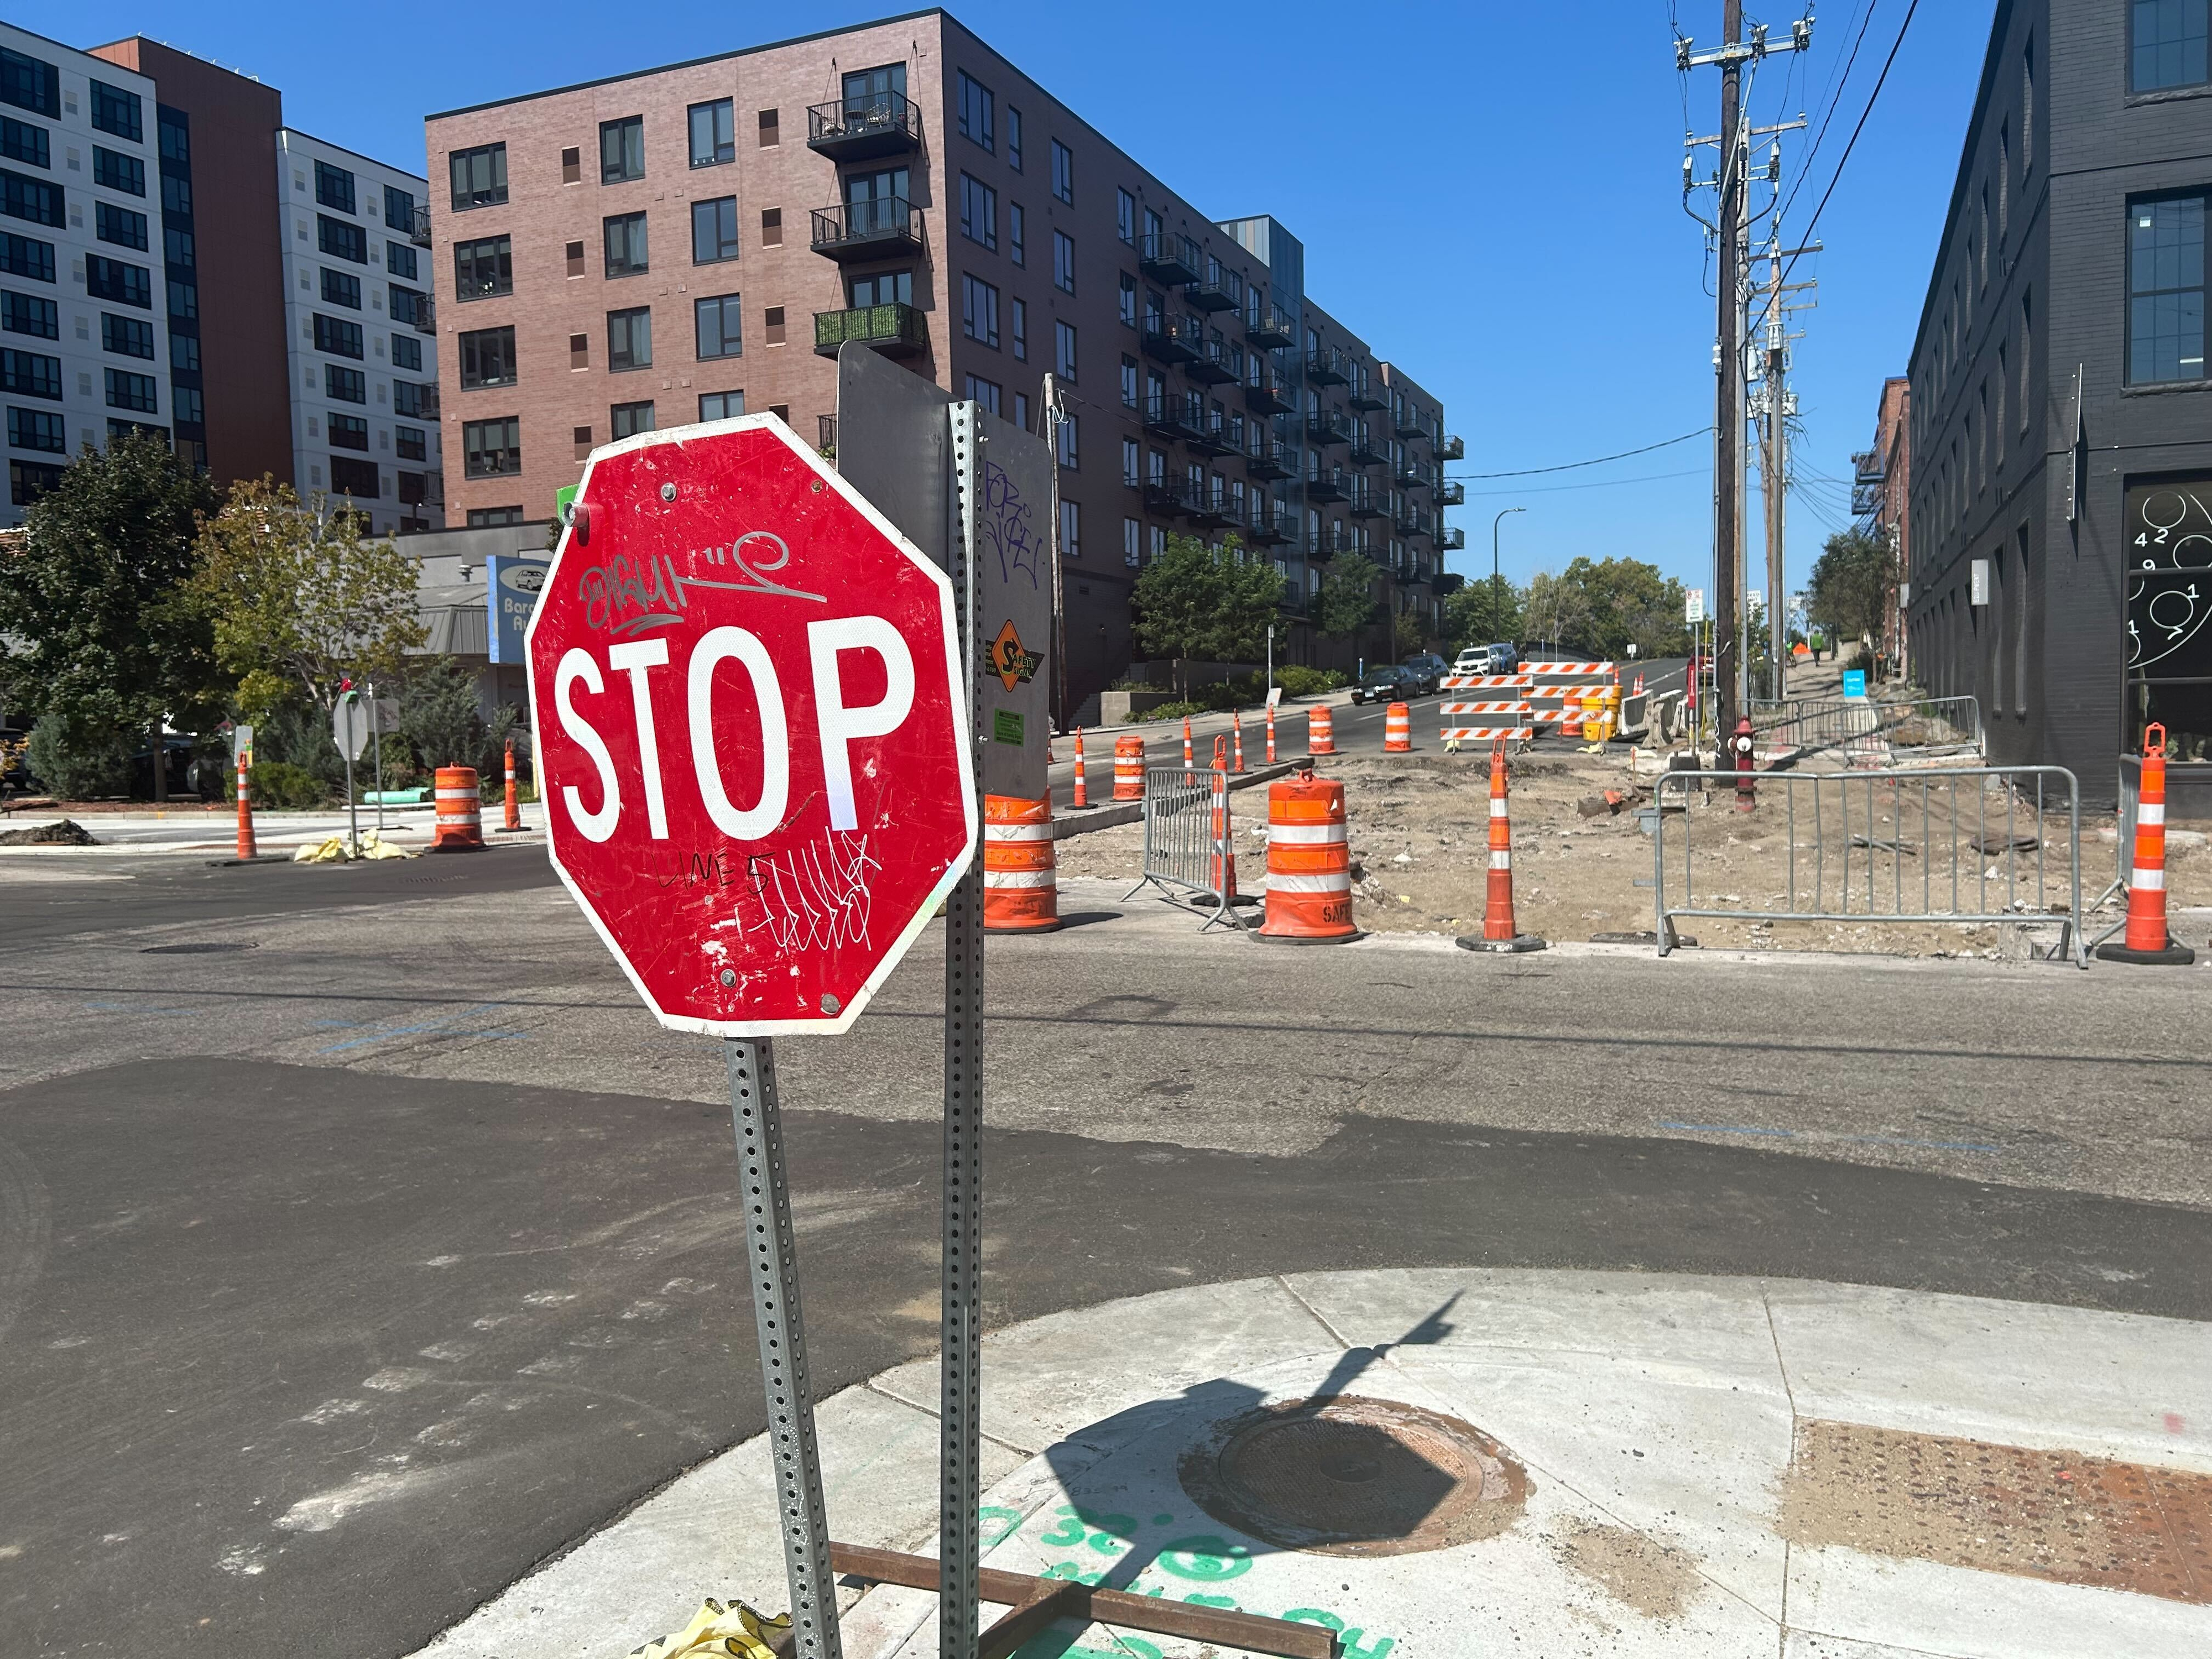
<point>1655,1414</point>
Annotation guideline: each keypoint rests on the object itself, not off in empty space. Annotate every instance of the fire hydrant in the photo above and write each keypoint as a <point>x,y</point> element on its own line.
<point>1746,791</point>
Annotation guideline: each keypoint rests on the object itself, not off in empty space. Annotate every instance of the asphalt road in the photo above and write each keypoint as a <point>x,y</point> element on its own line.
<point>350,1270</point>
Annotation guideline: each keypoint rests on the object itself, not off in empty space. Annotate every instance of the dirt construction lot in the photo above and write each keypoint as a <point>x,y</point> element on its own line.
<point>1420,855</point>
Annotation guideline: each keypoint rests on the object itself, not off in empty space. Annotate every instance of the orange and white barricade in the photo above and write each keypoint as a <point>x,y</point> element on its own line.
<point>1129,768</point>
<point>1398,729</point>
<point>1308,863</point>
<point>1320,733</point>
<point>1021,878</point>
<point>1500,932</point>
<point>2146,942</point>
<point>459,825</point>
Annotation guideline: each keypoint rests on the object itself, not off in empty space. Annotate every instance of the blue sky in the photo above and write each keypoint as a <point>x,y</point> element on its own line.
<point>1491,193</point>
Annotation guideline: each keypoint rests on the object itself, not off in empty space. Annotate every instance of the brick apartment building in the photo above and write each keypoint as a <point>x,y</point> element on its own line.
<point>694,241</point>
<point>1881,494</point>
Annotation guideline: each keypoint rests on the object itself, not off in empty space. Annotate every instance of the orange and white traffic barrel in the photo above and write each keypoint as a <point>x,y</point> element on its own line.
<point>1500,932</point>
<point>1398,730</point>
<point>1320,733</point>
<point>1237,726</point>
<point>1082,797</point>
<point>1570,716</point>
<point>1186,743</point>
<point>245,808</point>
<point>513,811</point>
<point>459,827</point>
<point>2146,942</point>
<point>1271,734</point>
<point>1222,861</point>
<point>1129,768</point>
<point>1308,862</point>
<point>1021,879</point>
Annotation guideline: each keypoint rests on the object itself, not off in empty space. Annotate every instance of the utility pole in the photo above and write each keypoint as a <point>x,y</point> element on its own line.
<point>1730,227</point>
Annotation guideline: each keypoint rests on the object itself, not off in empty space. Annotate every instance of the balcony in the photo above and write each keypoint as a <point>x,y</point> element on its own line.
<point>1212,509</point>
<point>426,314</point>
<point>1175,415</point>
<point>858,128</point>
<point>896,330</point>
<point>1327,366</point>
<point>1214,364</point>
<point>1215,435</point>
<point>1366,501</point>
<point>1411,474</point>
<point>1366,394</point>
<point>419,232</point>
<point>1444,583</point>
<point>1327,427</point>
<point>1175,339</point>
<point>1167,498</point>
<point>1866,466</point>
<point>1170,258</point>
<point>1412,521</point>
<point>1451,448</point>
<point>1405,421</point>
<point>1336,540</point>
<point>1450,492</point>
<point>882,227</point>
<point>1272,523</point>
<point>1274,460</point>
<point>1329,484</point>
<point>1366,449</point>
<point>1264,326</point>
<point>1217,291</point>
<point>1270,395</point>
<point>1453,540</point>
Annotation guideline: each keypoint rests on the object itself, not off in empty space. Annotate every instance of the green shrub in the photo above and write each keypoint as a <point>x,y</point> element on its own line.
<point>1173,711</point>
<point>1298,681</point>
<point>78,765</point>
<point>282,785</point>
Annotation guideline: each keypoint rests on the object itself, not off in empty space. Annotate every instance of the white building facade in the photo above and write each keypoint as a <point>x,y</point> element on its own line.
<point>361,327</point>
<point>84,341</point>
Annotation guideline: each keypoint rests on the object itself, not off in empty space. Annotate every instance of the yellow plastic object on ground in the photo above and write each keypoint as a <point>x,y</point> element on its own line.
<point>735,1629</point>
<point>374,846</point>
<point>333,850</point>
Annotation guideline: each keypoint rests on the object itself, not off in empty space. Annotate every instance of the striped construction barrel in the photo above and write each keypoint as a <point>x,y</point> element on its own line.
<point>1398,729</point>
<point>1129,768</point>
<point>1308,863</point>
<point>1320,733</point>
<point>1021,880</point>
<point>459,827</point>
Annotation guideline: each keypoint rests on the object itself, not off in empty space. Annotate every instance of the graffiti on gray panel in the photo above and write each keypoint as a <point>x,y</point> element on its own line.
<point>1009,526</point>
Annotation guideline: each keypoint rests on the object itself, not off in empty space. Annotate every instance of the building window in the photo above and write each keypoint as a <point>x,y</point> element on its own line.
<point>341,289</point>
<point>978,212</point>
<point>1021,321</point>
<point>977,112</point>
<point>408,309</point>
<point>411,443</point>
<point>413,399</point>
<point>35,199</point>
<point>334,187</point>
<point>1013,138</point>
<point>400,260</point>
<point>2166,290</point>
<point>2166,44</point>
<point>622,150</point>
<point>26,314</point>
<point>713,133</point>
<point>1063,350</point>
<point>339,336</point>
<point>885,288</point>
<point>769,129</point>
<point>129,391</point>
<point>979,311</point>
<point>406,351</point>
<point>491,517</point>
<point>488,357</point>
<point>720,321</point>
<point>1132,461</point>
<point>36,429</point>
<point>484,268</point>
<point>983,391</point>
<point>1063,262</point>
<point>184,297</point>
<point>479,176</point>
<point>625,244</point>
<point>114,110</point>
<point>1125,217</point>
<point>1128,382</point>
<point>772,331</point>
<point>490,449</point>
<point>126,336</point>
<point>398,210</point>
<point>340,240</point>
<point>714,230</point>
<point>1063,173</point>
<point>30,374</point>
<point>30,83</point>
<point>20,141</point>
<point>629,338</point>
<point>1070,527</point>
<point>1133,542</point>
<point>1129,299</point>
<point>358,480</point>
<point>25,256</point>
<point>1067,443</point>
<point>720,405</point>
<point>348,432</point>
<point>28,480</point>
<point>1017,233</point>
<point>627,420</point>
<point>113,170</point>
<point>771,226</point>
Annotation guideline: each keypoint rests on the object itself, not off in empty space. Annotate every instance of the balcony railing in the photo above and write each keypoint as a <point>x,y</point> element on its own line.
<point>1169,257</point>
<point>874,229</point>
<point>1175,415</point>
<point>897,330</point>
<point>1327,427</point>
<point>1367,450</point>
<point>1867,466</point>
<point>1167,496</point>
<point>1217,291</point>
<point>1411,473</point>
<point>1329,484</point>
<point>1413,521</point>
<point>1451,448</point>
<point>1443,583</point>
<point>1336,540</point>
<point>1271,523</point>
<point>1454,540</point>
<point>1265,325</point>
<point>1450,492</point>
<point>1275,460</point>
<point>419,233</point>
<point>1367,394</point>
<point>1216,363</point>
<point>1405,421</point>
<point>1327,366</point>
<point>426,314</point>
<point>856,128</point>
<point>1213,507</point>
<point>1217,434</point>
<point>1366,501</point>
<point>1173,340</point>
<point>1270,395</point>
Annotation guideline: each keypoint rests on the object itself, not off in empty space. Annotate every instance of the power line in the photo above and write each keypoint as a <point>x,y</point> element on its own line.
<point>1805,170</point>
<point>1595,483</point>
<point>1879,81</point>
<point>1568,466</point>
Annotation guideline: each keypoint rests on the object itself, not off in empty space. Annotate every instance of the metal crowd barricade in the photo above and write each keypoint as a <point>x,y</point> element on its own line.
<point>1188,840</point>
<point>1868,732</point>
<point>1973,846</point>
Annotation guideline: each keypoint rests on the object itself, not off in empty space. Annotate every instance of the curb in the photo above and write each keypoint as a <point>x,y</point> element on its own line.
<point>1130,811</point>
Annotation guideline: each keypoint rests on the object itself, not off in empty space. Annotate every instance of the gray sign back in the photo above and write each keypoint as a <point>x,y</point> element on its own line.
<point>894,444</point>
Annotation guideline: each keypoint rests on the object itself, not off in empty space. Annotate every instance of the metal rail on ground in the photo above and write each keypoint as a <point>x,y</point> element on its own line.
<point>1967,846</point>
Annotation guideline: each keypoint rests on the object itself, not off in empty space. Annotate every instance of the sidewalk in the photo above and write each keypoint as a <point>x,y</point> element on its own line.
<point>217,833</point>
<point>1550,1463</point>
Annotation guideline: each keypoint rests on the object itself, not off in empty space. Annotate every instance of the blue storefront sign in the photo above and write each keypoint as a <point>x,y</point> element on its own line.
<point>515,582</point>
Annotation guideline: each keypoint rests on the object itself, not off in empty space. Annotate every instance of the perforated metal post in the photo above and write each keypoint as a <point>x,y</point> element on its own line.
<point>960,1545</point>
<point>773,1262</point>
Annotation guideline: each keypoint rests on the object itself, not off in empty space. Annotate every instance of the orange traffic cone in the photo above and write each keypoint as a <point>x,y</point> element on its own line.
<point>1271,734</point>
<point>513,810</point>
<point>1082,788</point>
<point>2146,942</point>
<point>1236,726</point>
<point>244,809</point>
<point>1224,844</point>
<point>1500,932</point>
<point>1186,743</point>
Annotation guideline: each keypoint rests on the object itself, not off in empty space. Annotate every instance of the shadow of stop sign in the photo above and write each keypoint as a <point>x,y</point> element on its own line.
<point>745,691</point>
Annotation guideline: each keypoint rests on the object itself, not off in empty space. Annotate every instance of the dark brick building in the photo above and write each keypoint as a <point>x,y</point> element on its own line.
<point>2061,552</point>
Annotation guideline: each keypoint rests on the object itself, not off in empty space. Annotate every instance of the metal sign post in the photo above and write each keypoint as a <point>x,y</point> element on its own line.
<point>350,725</point>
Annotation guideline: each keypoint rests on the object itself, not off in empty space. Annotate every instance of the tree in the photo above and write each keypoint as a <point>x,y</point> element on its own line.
<point>1854,585</point>
<point>1347,602</point>
<point>1410,633</point>
<point>99,632</point>
<point>438,714</point>
<point>301,598</point>
<point>1555,610</point>
<point>1483,613</point>
<point>1210,603</point>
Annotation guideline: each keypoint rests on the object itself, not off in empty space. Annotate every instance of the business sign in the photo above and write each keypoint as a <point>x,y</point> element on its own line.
<point>513,583</point>
<point>1693,606</point>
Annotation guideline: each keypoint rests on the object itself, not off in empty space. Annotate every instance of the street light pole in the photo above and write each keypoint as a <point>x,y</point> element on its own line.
<point>1495,580</point>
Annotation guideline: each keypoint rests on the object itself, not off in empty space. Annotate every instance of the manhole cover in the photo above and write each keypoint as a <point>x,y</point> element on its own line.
<point>1352,1476</point>
<point>199,948</point>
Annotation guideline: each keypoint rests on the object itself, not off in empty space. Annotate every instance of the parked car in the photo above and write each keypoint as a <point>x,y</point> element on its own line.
<point>1429,669</point>
<point>1504,658</point>
<point>1472,659</point>
<point>1388,682</point>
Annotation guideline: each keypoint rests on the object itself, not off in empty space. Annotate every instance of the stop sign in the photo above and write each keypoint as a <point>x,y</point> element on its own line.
<point>746,695</point>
